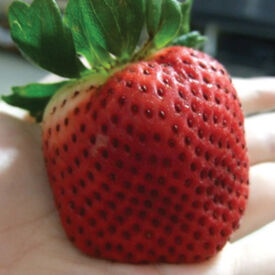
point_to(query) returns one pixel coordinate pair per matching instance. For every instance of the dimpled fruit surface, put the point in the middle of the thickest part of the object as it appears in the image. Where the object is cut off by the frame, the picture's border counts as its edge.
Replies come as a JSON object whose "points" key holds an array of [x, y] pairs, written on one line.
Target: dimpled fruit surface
{"points": [[152, 165]]}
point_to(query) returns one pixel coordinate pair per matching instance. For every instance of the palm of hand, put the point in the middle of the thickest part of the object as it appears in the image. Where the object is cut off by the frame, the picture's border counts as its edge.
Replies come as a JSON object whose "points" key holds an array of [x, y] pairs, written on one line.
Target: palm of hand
{"points": [[32, 239]]}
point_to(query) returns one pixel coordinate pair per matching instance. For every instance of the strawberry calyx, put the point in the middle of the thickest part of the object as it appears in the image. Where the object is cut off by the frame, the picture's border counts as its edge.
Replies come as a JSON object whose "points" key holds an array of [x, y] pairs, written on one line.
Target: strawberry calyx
{"points": [[91, 39]]}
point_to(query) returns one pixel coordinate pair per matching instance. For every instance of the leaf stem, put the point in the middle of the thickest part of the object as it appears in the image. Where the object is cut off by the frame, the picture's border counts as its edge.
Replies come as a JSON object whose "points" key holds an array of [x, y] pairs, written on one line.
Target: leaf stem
{"points": [[143, 51]]}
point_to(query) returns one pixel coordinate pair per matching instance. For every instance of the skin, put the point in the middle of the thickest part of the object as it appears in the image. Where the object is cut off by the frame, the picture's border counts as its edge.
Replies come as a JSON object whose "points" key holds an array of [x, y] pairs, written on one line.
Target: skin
{"points": [[33, 242]]}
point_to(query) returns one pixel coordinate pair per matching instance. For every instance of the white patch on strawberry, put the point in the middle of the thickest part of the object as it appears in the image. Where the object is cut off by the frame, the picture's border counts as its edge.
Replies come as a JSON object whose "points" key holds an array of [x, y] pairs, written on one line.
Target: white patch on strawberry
{"points": [[101, 141]]}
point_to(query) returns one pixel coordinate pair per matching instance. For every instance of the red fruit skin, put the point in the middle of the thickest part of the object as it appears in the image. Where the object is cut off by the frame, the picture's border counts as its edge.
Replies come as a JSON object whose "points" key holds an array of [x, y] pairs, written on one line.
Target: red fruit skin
{"points": [[152, 166]]}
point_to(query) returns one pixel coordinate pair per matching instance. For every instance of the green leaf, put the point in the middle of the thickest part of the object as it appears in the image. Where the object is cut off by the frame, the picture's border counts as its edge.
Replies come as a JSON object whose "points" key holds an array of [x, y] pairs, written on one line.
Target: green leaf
{"points": [[169, 23], [88, 38], [186, 7], [39, 32], [153, 16], [33, 97], [103, 26], [192, 40], [130, 17]]}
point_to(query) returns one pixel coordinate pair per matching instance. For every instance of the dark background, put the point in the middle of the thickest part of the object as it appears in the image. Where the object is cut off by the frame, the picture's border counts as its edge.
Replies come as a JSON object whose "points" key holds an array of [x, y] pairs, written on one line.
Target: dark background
{"points": [[241, 33]]}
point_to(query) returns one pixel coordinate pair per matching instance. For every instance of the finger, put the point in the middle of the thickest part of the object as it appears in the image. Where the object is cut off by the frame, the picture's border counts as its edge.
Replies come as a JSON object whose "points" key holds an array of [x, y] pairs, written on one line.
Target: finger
{"points": [[260, 136], [22, 173], [260, 208], [25, 197], [222, 263], [256, 94], [255, 254]]}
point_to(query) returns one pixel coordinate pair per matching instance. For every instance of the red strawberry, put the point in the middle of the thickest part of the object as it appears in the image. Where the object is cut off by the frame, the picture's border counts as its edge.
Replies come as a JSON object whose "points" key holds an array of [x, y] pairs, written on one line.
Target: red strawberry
{"points": [[151, 164]]}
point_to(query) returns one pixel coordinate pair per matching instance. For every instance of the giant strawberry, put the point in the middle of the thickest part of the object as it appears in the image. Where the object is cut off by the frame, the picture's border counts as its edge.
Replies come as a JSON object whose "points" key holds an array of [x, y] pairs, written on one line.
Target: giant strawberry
{"points": [[145, 149]]}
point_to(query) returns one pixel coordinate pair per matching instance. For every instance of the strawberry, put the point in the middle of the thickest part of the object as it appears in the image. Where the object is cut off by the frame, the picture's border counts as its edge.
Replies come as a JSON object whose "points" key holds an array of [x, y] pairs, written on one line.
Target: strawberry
{"points": [[146, 156]]}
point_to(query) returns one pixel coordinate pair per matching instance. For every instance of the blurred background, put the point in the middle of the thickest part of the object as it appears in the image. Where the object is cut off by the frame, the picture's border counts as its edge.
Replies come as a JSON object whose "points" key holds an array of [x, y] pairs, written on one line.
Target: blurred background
{"points": [[241, 34]]}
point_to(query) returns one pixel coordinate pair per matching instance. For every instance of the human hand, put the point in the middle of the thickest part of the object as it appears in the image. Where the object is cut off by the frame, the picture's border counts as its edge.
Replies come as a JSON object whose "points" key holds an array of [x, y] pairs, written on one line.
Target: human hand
{"points": [[32, 239]]}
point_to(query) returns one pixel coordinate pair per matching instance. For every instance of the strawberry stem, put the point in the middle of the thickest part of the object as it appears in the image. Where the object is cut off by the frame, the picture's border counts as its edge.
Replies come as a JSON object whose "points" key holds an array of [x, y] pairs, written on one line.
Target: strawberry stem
{"points": [[106, 33], [143, 51]]}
